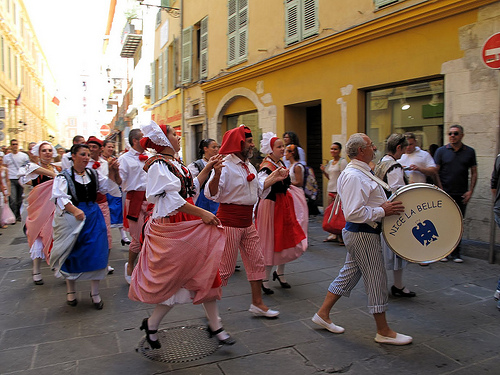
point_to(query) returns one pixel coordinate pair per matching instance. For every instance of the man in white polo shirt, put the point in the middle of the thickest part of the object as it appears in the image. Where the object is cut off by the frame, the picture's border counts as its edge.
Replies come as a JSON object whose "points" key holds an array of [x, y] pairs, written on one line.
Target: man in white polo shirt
{"points": [[417, 162], [14, 161]]}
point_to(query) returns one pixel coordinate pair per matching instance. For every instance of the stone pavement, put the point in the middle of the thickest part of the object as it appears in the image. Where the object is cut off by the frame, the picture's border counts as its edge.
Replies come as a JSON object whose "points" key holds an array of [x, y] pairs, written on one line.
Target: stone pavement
{"points": [[453, 320]]}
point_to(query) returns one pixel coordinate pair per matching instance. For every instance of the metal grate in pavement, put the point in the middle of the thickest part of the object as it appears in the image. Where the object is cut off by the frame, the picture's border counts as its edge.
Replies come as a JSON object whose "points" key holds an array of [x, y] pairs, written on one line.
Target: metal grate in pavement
{"points": [[180, 344]]}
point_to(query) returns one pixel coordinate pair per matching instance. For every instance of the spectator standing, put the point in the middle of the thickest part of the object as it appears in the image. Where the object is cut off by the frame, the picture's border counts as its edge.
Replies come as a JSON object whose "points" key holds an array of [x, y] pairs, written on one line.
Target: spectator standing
{"points": [[290, 138], [454, 161], [495, 190], [418, 163], [14, 161]]}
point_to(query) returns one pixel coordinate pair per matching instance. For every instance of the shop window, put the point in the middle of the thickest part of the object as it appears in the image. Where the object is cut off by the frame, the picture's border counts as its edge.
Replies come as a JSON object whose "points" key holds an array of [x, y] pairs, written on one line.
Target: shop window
{"points": [[416, 108], [250, 119]]}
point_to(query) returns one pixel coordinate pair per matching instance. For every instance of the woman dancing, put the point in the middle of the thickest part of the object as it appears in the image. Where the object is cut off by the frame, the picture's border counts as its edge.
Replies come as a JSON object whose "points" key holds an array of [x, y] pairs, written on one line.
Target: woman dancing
{"points": [[181, 254], [282, 215]]}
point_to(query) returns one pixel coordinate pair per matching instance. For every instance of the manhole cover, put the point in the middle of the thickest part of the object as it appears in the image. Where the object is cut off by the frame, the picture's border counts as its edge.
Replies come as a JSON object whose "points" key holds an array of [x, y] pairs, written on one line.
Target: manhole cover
{"points": [[180, 344], [19, 240]]}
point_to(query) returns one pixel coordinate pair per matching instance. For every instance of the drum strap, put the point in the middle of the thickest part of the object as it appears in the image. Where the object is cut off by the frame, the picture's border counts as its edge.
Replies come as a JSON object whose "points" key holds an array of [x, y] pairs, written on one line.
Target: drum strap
{"points": [[372, 176]]}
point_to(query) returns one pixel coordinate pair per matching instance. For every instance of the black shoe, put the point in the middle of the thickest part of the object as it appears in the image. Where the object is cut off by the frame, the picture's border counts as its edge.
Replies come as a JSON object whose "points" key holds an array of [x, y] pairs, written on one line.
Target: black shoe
{"points": [[227, 341], [283, 284], [144, 327], [401, 293], [37, 282], [72, 303], [98, 305], [127, 242], [267, 291]]}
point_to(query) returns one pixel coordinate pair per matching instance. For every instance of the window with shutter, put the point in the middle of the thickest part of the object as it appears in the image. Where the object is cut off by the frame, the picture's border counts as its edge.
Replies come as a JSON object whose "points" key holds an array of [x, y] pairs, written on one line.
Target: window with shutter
{"points": [[153, 82], [204, 48], [301, 20], [383, 3], [165, 72], [187, 53], [237, 31], [161, 92]]}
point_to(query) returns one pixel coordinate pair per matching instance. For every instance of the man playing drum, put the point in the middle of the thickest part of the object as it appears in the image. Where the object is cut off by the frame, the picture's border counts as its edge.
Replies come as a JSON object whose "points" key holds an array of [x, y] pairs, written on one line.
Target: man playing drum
{"points": [[365, 204]]}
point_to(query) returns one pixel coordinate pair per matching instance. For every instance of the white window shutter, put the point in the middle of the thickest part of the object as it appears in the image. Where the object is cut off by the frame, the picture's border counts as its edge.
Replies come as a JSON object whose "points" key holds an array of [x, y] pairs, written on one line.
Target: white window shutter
{"points": [[232, 18], [242, 30], [292, 21], [165, 71], [204, 48], [310, 18], [187, 53]]}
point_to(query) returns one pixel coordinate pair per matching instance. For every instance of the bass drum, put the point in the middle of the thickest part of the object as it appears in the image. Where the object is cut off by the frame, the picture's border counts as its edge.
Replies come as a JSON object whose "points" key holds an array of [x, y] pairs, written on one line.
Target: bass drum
{"points": [[430, 227]]}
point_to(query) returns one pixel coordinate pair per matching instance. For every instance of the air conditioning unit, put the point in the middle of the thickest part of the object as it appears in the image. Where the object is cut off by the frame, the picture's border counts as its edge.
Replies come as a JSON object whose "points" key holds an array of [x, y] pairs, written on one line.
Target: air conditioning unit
{"points": [[147, 91]]}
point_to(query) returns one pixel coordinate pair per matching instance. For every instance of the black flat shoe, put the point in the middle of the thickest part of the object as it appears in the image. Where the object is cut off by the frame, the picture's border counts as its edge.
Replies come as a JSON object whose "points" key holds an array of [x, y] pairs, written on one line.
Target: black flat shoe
{"points": [[127, 242], [72, 303], [144, 327], [401, 293], [267, 291], [98, 305], [37, 282], [227, 341], [283, 284]]}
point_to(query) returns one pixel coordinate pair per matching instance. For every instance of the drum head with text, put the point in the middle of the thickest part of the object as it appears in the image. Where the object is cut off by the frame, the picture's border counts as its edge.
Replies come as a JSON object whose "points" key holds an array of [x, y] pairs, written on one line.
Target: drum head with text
{"points": [[429, 228]]}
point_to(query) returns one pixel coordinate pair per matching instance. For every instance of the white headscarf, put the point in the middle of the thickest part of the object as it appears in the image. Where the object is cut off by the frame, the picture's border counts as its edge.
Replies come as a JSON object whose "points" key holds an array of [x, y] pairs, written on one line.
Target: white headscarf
{"points": [[155, 134], [265, 144], [36, 148]]}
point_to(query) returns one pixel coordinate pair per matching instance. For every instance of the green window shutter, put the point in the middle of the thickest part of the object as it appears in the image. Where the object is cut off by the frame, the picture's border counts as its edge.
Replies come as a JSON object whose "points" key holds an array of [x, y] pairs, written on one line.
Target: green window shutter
{"points": [[175, 59], [165, 71], [232, 34], [153, 83], [204, 48], [292, 21], [310, 24], [242, 30], [382, 3], [165, 3], [160, 76], [187, 52]]}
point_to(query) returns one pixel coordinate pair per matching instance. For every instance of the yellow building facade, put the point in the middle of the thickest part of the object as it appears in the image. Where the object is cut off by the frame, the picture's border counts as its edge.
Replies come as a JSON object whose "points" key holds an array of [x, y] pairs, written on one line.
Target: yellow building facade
{"points": [[326, 69], [24, 71]]}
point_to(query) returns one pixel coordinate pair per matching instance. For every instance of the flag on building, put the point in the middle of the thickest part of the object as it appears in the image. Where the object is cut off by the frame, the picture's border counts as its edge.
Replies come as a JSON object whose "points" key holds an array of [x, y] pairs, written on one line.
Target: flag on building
{"points": [[18, 99], [55, 100]]}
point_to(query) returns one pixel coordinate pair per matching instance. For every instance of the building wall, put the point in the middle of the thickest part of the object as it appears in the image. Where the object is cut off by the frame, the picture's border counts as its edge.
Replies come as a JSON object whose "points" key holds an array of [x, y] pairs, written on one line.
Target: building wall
{"points": [[337, 70]]}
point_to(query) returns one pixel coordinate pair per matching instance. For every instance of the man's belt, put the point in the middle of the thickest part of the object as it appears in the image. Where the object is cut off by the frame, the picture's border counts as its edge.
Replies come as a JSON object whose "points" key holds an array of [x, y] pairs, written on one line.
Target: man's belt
{"points": [[235, 215]]}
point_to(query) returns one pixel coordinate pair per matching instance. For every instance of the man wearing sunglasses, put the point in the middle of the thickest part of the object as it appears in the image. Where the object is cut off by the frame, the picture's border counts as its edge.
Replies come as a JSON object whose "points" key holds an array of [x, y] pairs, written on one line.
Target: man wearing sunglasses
{"points": [[453, 162]]}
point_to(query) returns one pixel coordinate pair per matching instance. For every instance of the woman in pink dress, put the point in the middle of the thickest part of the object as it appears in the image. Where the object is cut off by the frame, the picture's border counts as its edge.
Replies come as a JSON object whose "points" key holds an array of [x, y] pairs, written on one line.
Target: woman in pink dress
{"points": [[282, 215], [40, 208], [183, 244]]}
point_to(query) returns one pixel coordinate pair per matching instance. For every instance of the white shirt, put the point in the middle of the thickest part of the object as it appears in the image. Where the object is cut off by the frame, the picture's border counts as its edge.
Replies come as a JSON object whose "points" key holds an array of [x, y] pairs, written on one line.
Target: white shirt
{"points": [[66, 162], [234, 188], [195, 172], [132, 171], [361, 196], [60, 192], [395, 178], [333, 171], [421, 159], [163, 188], [14, 162], [27, 173], [292, 173]]}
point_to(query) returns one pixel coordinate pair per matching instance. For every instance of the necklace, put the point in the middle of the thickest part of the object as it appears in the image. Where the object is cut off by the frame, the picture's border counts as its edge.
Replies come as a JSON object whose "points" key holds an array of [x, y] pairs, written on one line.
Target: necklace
{"points": [[79, 173]]}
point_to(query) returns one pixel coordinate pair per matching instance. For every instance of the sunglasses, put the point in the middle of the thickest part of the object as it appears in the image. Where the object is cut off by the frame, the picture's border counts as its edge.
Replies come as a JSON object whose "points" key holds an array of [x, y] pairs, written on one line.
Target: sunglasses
{"points": [[454, 133], [14, 144]]}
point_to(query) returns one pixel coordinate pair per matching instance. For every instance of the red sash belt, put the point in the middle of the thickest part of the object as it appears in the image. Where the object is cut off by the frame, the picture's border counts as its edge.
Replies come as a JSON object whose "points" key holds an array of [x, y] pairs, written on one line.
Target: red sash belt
{"points": [[235, 215], [101, 198], [134, 208]]}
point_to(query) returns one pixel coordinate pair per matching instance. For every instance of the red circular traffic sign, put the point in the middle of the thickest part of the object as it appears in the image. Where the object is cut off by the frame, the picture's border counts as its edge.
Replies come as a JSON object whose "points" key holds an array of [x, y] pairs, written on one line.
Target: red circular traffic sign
{"points": [[491, 52], [105, 130]]}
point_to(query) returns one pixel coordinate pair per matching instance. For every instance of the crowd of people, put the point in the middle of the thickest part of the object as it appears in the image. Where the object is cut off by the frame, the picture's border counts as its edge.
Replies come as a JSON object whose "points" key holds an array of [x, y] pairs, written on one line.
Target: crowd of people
{"points": [[185, 225]]}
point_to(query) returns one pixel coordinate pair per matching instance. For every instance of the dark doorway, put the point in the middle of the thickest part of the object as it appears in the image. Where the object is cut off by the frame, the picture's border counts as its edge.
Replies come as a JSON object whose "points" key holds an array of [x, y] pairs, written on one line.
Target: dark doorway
{"points": [[314, 145]]}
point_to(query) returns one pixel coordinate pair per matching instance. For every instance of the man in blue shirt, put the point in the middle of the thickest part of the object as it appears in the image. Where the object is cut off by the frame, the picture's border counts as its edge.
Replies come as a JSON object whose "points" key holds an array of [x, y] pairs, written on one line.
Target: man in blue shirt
{"points": [[454, 161]]}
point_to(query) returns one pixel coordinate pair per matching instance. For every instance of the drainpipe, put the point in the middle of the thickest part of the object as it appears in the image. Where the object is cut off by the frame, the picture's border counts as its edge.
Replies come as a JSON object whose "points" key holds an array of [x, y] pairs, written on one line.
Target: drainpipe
{"points": [[183, 121]]}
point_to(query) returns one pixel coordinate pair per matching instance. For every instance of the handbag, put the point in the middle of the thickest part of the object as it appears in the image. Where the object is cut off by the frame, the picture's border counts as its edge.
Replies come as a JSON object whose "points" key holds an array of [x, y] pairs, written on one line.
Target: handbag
{"points": [[333, 218], [8, 216]]}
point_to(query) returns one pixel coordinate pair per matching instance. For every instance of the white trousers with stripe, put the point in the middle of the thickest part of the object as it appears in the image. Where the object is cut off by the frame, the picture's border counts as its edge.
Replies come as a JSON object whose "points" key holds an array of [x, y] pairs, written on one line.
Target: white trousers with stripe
{"points": [[364, 258]]}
